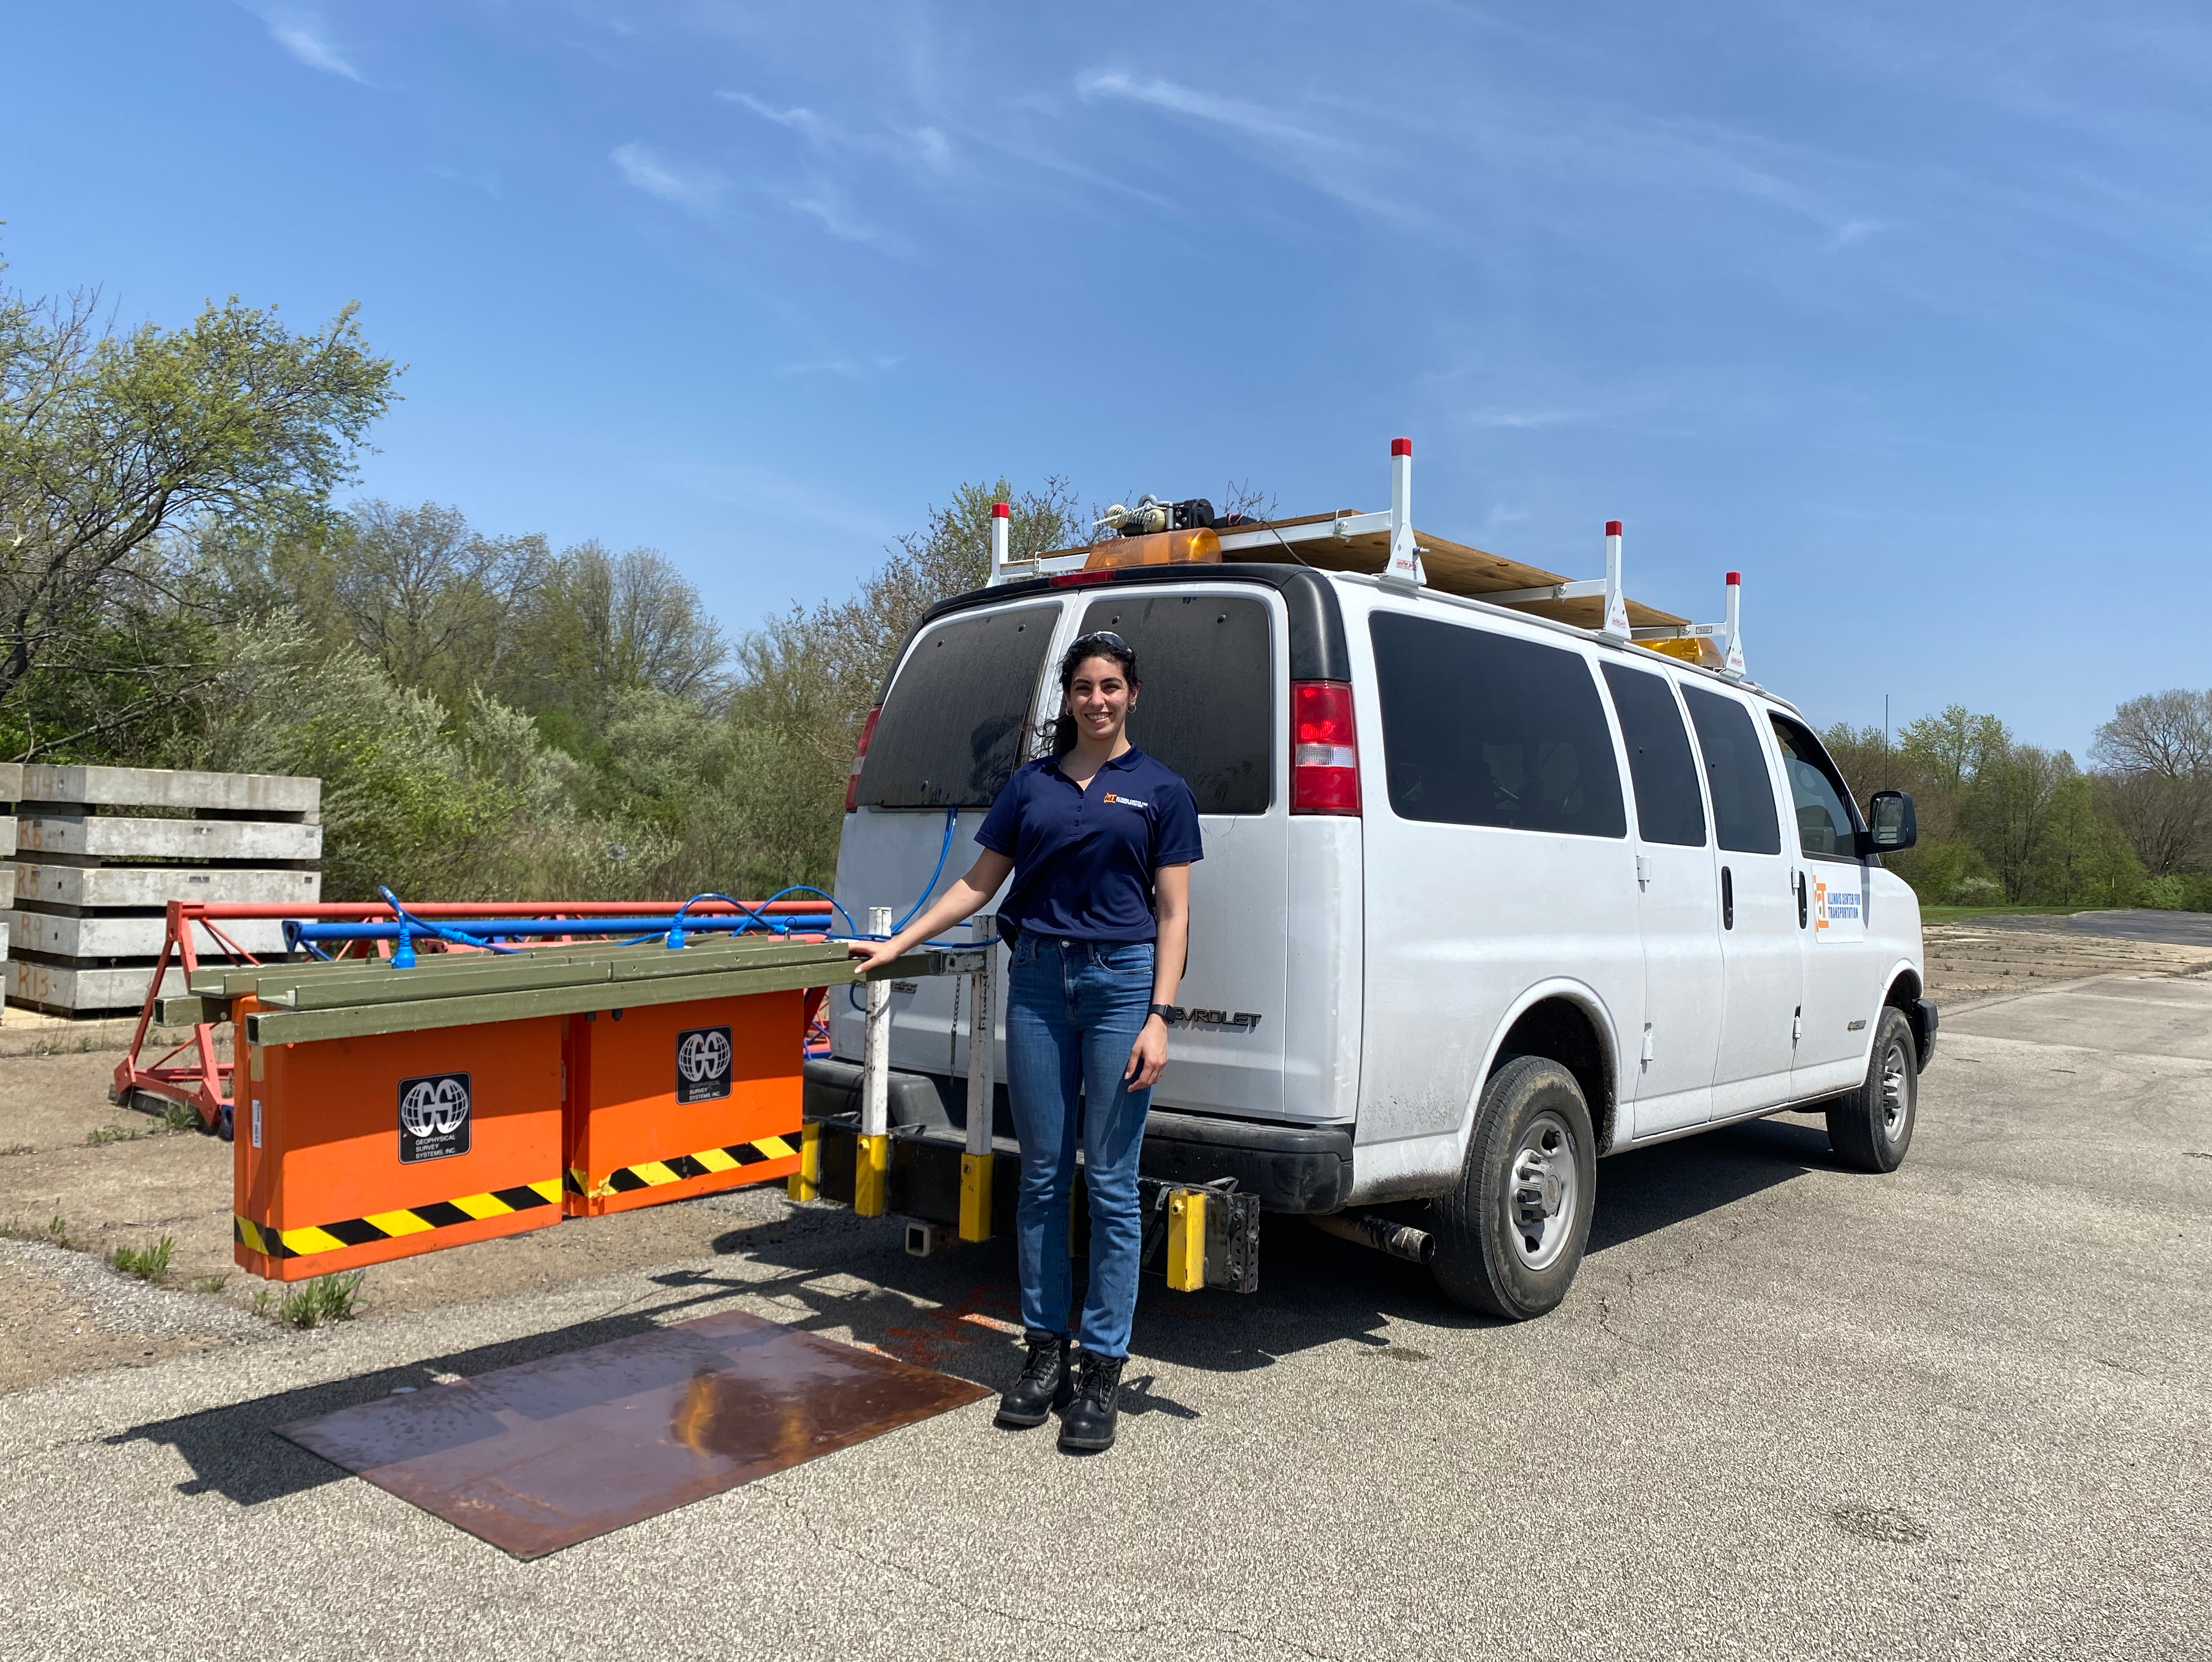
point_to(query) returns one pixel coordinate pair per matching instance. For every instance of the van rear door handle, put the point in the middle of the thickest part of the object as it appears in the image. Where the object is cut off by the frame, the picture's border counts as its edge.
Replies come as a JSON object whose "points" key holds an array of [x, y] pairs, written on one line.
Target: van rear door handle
{"points": [[1801, 900], [1728, 898]]}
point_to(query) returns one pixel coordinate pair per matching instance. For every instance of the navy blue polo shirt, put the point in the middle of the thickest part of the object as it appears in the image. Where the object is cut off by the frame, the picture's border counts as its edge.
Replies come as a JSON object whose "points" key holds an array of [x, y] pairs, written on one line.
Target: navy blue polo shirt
{"points": [[1084, 859]]}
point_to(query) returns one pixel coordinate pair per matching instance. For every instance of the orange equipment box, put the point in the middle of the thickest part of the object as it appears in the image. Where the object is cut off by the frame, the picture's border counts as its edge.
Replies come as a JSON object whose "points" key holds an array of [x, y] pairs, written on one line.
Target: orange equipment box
{"points": [[669, 1100], [354, 1151]]}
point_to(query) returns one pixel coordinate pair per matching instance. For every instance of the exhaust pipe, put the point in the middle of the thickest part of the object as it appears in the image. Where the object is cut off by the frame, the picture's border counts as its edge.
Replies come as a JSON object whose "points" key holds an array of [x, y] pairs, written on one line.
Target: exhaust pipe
{"points": [[1382, 1234]]}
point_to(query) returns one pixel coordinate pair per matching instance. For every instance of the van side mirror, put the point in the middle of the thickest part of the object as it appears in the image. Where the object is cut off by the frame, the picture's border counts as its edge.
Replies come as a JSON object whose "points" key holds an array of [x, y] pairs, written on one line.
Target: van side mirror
{"points": [[1892, 825]]}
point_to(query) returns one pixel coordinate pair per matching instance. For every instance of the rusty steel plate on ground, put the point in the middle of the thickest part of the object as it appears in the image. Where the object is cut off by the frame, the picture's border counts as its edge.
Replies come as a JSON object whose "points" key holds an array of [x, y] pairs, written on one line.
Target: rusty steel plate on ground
{"points": [[541, 1456]]}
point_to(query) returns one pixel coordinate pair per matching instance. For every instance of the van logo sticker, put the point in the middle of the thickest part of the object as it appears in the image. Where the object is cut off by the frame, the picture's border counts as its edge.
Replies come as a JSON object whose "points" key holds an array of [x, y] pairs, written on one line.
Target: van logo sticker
{"points": [[1833, 906], [1243, 1021], [433, 1117], [702, 1065]]}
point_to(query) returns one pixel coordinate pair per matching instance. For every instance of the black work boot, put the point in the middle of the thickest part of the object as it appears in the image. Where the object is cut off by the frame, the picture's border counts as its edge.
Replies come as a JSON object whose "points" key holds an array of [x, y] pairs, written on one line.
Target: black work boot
{"points": [[1088, 1425], [1043, 1386]]}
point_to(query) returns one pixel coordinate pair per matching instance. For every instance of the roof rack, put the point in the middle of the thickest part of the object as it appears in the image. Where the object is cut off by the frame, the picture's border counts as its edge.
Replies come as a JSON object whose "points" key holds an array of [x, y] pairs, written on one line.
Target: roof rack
{"points": [[1386, 544]]}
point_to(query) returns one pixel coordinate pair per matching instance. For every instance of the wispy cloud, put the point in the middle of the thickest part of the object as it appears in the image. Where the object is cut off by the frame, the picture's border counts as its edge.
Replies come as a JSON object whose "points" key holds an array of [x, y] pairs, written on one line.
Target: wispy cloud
{"points": [[1521, 418], [484, 179], [1331, 162], [1232, 112], [696, 189], [306, 37], [925, 148], [852, 369], [825, 204]]}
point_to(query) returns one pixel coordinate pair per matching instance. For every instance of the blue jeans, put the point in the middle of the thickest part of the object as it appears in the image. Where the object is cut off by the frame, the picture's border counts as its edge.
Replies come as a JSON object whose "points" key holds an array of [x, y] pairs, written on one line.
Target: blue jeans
{"points": [[1073, 1008]]}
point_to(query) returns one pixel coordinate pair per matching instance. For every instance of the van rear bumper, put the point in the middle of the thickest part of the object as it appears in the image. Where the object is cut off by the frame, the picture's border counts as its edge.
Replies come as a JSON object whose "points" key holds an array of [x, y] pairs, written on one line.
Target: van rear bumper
{"points": [[1293, 1168]]}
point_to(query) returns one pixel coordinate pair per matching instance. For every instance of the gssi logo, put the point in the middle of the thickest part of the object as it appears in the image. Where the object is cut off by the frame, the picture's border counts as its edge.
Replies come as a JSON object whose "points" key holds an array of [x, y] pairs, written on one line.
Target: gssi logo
{"points": [[702, 1064], [433, 1117]]}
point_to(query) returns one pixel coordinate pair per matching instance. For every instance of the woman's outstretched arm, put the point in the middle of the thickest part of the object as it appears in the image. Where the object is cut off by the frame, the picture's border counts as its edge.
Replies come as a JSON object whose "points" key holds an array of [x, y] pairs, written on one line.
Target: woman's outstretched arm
{"points": [[963, 900]]}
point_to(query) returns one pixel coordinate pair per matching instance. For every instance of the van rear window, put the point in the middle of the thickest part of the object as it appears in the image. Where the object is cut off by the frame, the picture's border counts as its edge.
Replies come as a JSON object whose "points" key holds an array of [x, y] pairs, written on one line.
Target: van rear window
{"points": [[953, 726], [1483, 728], [1206, 705]]}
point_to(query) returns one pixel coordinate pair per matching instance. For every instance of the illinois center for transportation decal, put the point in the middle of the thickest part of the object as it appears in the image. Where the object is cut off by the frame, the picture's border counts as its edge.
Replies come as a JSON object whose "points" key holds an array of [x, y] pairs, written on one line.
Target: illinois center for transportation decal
{"points": [[1838, 913], [702, 1064], [433, 1117]]}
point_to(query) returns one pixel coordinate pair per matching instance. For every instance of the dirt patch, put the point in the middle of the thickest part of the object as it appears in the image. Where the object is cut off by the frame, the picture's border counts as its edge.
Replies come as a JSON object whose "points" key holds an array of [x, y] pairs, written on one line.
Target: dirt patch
{"points": [[1973, 960], [63, 1313]]}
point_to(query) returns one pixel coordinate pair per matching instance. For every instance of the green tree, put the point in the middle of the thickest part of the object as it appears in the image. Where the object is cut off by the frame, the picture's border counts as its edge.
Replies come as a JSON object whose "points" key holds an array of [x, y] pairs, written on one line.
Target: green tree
{"points": [[2156, 753], [109, 440], [603, 625], [1944, 754], [2010, 811]]}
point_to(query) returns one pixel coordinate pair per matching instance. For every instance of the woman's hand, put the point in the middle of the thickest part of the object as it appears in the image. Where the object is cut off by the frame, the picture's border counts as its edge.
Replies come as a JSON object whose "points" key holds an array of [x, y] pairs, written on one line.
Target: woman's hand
{"points": [[873, 954], [1148, 1057]]}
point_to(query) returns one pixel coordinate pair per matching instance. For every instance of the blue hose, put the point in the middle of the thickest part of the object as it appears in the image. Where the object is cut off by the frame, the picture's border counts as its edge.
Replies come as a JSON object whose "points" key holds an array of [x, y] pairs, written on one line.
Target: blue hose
{"points": [[403, 956], [951, 818]]}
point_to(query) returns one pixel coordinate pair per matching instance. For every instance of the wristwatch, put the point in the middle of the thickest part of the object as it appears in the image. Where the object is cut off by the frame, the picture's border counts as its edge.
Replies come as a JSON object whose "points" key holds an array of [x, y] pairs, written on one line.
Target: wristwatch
{"points": [[1167, 1013]]}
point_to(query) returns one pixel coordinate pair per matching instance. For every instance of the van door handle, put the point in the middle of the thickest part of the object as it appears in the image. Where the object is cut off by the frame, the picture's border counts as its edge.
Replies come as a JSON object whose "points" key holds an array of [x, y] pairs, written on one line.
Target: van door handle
{"points": [[1728, 898], [1801, 900]]}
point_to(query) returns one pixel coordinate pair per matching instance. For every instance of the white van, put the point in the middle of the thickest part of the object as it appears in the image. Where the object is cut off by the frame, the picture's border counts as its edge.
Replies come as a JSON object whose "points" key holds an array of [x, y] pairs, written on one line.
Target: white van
{"points": [[1485, 897]]}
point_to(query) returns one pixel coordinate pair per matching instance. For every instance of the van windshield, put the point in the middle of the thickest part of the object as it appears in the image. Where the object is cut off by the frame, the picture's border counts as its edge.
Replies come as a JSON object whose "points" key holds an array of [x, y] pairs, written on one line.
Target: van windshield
{"points": [[952, 727], [1206, 704]]}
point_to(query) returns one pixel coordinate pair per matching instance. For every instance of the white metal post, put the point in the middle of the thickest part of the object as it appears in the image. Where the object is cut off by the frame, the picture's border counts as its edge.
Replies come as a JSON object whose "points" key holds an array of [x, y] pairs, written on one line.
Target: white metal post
{"points": [[999, 514], [876, 1048], [872, 1148], [1405, 565], [982, 1069], [1732, 641], [982, 1038], [1616, 599]]}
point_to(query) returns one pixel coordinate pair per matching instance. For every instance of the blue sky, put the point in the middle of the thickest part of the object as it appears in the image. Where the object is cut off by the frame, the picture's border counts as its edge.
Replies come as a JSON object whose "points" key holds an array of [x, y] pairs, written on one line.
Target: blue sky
{"points": [[1899, 309]]}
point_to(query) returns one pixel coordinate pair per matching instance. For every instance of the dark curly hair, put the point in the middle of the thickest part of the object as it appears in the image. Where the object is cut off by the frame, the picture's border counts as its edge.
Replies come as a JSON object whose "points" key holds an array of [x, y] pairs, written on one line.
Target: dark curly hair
{"points": [[1060, 733]]}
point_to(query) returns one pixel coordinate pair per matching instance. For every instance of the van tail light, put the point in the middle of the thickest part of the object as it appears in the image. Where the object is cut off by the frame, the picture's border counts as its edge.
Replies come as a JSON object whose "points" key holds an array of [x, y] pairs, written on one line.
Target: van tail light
{"points": [[860, 756], [1324, 748]]}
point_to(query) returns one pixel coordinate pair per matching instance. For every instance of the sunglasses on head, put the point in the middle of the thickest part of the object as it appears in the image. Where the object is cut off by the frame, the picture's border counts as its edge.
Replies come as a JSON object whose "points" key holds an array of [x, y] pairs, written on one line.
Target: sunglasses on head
{"points": [[1103, 638]]}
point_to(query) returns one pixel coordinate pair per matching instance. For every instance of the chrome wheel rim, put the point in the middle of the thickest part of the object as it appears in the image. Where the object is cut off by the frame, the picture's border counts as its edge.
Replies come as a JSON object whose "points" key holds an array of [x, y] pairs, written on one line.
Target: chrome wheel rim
{"points": [[1541, 1192], [1896, 1093]]}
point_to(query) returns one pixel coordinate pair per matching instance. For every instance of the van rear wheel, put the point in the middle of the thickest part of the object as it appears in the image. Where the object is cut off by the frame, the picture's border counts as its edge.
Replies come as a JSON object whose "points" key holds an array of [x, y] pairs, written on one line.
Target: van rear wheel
{"points": [[1511, 1235]]}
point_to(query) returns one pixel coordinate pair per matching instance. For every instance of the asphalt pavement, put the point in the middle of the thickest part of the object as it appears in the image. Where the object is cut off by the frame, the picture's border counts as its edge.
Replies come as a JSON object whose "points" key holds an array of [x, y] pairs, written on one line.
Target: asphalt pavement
{"points": [[2134, 924], [1788, 1411]]}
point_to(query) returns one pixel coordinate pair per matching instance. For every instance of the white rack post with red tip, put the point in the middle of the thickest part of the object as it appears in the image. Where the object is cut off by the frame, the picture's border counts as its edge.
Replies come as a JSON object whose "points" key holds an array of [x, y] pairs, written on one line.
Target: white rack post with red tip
{"points": [[1386, 545]]}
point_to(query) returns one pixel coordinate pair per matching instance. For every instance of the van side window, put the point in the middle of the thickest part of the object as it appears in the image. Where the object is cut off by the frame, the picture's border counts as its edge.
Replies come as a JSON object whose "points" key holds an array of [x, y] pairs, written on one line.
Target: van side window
{"points": [[953, 723], [1735, 768], [1482, 728], [1825, 824], [1206, 705], [1660, 764]]}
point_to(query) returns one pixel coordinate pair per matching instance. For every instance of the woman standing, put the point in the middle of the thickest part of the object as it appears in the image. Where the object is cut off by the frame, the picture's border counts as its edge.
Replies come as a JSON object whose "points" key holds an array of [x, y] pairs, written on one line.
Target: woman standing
{"points": [[1099, 839]]}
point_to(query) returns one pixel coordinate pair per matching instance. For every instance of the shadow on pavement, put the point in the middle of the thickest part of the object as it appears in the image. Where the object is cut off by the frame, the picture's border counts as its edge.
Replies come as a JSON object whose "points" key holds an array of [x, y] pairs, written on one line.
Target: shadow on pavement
{"points": [[1647, 1190], [957, 1311]]}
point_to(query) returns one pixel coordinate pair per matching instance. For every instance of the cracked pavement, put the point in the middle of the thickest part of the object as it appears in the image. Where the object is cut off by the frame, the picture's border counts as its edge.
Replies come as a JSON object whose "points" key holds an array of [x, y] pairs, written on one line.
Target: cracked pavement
{"points": [[1788, 1411]]}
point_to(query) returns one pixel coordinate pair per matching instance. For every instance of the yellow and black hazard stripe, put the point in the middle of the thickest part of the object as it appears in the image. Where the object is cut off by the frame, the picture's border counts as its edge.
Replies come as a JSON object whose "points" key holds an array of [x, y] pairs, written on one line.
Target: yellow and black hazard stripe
{"points": [[391, 1226], [651, 1174]]}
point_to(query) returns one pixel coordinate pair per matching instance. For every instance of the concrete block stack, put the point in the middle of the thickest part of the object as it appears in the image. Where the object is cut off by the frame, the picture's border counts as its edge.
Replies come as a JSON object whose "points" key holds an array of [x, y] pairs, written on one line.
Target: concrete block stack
{"points": [[11, 786], [99, 853]]}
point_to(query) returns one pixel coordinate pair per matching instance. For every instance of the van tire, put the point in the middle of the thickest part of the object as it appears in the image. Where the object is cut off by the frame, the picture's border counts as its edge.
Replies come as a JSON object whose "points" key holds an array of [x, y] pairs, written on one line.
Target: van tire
{"points": [[1499, 1250], [1871, 1128]]}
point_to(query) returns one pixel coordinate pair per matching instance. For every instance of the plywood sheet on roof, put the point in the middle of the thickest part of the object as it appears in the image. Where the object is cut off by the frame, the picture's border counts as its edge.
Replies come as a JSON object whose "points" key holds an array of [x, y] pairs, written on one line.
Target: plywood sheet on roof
{"points": [[1452, 567]]}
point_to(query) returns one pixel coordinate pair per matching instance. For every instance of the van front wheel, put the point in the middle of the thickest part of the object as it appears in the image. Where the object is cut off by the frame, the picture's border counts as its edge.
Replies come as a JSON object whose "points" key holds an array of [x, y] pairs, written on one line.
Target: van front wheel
{"points": [[1872, 1127], [1511, 1235]]}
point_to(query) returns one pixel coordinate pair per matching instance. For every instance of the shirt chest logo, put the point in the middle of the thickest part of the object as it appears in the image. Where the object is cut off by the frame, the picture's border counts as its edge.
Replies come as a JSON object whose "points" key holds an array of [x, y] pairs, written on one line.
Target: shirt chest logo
{"points": [[1126, 801]]}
